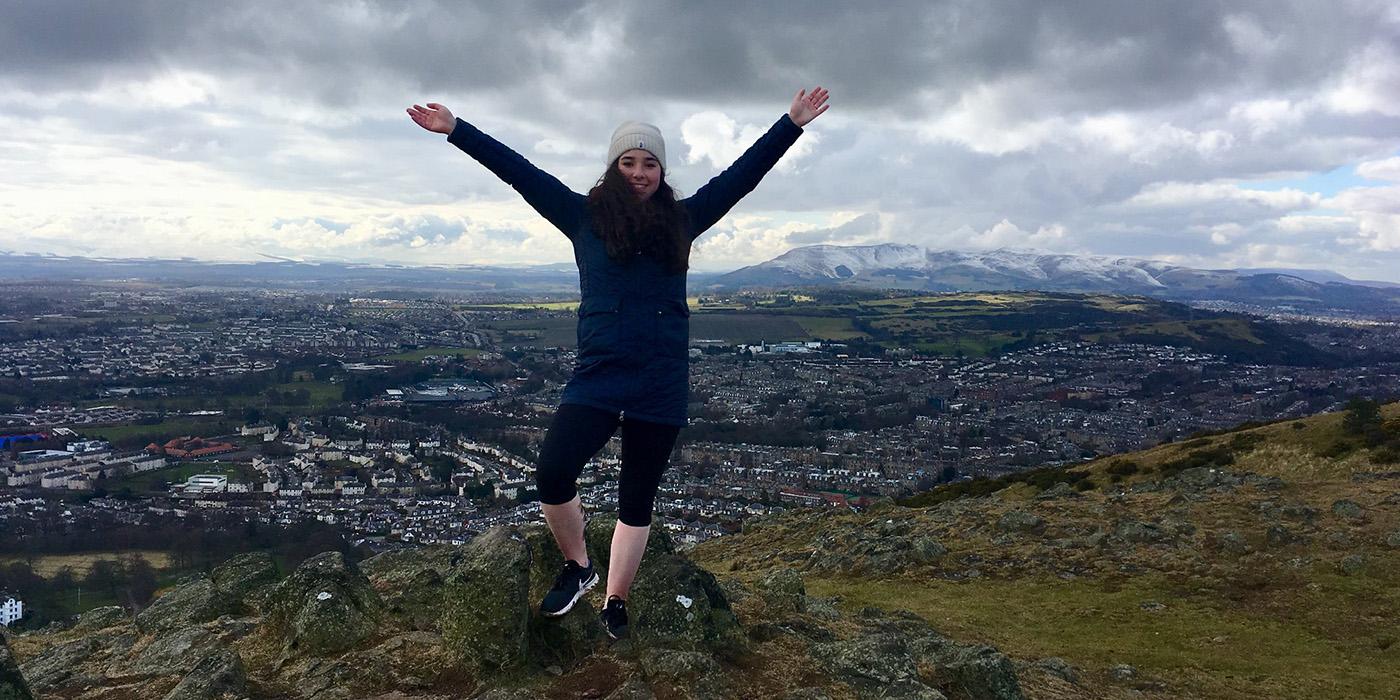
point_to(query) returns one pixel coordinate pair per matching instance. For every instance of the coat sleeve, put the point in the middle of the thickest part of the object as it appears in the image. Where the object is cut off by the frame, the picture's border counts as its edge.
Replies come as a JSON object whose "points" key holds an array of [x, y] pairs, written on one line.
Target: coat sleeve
{"points": [[542, 191], [721, 193]]}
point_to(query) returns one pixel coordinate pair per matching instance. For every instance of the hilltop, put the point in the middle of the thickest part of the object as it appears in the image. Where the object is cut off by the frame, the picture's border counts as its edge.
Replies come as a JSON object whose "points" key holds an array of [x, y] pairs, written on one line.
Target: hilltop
{"points": [[1257, 563]]}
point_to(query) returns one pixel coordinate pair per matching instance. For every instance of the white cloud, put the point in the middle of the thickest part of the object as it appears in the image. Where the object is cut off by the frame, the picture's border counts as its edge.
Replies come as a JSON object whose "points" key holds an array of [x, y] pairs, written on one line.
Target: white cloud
{"points": [[1191, 194], [715, 137], [1387, 169]]}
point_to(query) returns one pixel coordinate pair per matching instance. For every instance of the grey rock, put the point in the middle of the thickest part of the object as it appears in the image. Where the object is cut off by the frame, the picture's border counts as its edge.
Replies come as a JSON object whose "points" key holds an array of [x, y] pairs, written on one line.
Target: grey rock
{"points": [[678, 666], [508, 694], [410, 582], [214, 677], [1264, 483], [1059, 490], [1348, 509], [228, 590], [1300, 511], [822, 608], [1021, 521], [1139, 532], [174, 652], [12, 684], [101, 618], [805, 694], [675, 603], [1059, 668], [1339, 540], [566, 640], [1202, 478], [1233, 542], [782, 590], [1123, 673], [909, 689], [325, 606], [486, 612], [57, 665], [246, 577], [1279, 536], [1352, 564], [869, 661], [1393, 540], [926, 550], [190, 603], [968, 670], [633, 688]]}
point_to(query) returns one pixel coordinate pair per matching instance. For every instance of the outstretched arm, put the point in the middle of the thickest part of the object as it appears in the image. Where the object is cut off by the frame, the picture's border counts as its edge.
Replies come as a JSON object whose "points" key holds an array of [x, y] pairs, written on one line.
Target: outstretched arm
{"points": [[721, 193], [542, 191]]}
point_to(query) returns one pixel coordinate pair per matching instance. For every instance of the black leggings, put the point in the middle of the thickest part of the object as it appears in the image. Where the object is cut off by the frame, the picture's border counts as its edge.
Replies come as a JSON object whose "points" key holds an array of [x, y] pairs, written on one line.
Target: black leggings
{"points": [[578, 432]]}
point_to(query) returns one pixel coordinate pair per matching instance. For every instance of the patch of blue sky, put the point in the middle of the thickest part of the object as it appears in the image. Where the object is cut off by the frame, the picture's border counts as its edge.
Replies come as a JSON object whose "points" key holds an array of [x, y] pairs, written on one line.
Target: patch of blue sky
{"points": [[1326, 184]]}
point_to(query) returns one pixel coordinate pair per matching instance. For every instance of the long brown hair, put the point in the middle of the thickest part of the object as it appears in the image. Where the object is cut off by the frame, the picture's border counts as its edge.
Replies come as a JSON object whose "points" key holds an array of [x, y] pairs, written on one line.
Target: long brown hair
{"points": [[656, 227]]}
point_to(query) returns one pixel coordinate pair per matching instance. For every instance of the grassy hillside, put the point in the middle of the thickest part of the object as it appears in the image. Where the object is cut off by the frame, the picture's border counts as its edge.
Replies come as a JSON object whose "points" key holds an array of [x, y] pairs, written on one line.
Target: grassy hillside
{"points": [[1259, 563]]}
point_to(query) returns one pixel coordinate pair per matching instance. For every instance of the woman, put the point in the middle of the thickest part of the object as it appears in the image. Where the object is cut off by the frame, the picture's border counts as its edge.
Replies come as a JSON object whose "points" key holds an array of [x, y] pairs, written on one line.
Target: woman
{"points": [[631, 239]]}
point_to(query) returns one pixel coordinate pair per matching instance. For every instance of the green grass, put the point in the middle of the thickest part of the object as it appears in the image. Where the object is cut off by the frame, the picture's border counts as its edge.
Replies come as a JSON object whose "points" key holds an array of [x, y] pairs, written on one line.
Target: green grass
{"points": [[1098, 624], [833, 327], [322, 393], [179, 473], [203, 427]]}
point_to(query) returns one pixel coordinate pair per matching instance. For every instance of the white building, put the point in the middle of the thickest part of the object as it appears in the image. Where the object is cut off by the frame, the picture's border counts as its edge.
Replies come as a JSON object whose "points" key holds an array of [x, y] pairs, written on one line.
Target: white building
{"points": [[11, 609], [206, 483]]}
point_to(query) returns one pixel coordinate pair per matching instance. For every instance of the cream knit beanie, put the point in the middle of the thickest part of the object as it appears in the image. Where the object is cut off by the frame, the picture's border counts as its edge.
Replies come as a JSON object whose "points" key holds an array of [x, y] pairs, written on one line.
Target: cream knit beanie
{"points": [[637, 135]]}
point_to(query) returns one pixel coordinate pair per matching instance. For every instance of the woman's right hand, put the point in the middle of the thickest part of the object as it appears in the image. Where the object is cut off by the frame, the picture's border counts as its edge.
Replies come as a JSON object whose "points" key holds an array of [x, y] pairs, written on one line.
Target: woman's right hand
{"points": [[434, 117]]}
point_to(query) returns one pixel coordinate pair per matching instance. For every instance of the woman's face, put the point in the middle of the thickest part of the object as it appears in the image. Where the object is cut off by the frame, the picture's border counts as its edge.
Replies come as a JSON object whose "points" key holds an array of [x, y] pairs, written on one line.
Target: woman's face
{"points": [[642, 171]]}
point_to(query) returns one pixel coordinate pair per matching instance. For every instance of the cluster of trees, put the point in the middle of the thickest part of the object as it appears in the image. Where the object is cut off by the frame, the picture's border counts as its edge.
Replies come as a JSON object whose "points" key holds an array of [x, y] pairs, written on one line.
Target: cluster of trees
{"points": [[129, 581], [192, 545]]}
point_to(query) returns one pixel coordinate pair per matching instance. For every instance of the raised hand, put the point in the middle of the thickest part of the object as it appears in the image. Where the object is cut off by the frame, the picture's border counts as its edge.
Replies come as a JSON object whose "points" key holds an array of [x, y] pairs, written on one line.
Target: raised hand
{"points": [[434, 117], [807, 106]]}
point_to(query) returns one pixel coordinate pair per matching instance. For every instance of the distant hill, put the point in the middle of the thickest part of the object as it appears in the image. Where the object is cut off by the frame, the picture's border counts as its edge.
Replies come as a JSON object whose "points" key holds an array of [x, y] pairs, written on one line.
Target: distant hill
{"points": [[900, 266]]}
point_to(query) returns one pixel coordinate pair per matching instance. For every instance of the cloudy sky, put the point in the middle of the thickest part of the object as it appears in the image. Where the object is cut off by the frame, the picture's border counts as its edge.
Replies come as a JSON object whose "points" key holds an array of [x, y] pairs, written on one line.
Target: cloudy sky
{"points": [[1212, 134]]}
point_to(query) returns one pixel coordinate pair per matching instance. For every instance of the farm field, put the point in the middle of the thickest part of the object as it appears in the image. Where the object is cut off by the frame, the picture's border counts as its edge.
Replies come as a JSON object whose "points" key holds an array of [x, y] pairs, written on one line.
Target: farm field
{"points": [[47, 565]]}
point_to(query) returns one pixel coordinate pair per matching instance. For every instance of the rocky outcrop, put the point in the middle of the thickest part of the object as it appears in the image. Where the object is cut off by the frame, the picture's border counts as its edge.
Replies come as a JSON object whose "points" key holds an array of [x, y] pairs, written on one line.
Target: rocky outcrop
{"points": [[486, 607], [447, 622], [230, 589], [326, 605], [12, 685]]}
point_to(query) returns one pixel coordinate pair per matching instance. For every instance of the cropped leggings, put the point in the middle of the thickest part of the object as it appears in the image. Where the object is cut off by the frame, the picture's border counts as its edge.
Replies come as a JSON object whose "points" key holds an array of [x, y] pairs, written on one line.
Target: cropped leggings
{"points": [[578, 432]]}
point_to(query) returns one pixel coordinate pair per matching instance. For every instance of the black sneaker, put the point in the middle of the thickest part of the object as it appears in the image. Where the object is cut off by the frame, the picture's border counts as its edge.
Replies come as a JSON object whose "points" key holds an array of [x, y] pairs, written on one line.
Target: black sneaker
{"points": [[571, 584], [615, 617]]}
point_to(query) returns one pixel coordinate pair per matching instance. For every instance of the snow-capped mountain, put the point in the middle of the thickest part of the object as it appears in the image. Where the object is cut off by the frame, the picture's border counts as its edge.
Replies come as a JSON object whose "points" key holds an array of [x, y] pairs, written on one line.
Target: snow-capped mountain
{"points": [[900, 266]]}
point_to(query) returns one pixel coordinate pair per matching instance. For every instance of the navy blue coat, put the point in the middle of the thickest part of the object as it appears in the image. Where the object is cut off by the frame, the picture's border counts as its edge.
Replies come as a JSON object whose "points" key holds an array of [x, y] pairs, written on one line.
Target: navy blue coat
{"points": [[633, 323]]}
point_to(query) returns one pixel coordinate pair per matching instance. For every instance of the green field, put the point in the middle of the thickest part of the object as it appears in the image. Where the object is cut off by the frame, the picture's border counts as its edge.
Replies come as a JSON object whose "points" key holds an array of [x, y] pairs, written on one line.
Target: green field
{"points": [[160, 432], [963, 324], [47, 565], [322, 394], [180, 472]]}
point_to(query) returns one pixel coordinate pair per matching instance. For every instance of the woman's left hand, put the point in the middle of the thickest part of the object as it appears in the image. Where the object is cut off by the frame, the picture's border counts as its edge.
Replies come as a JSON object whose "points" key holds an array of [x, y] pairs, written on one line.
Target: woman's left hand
{"points": [[807, 106]]}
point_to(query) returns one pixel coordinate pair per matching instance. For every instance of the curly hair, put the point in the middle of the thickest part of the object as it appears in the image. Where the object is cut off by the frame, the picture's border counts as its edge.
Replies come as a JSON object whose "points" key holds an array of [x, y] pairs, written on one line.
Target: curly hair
{"points": [[656, 227]]}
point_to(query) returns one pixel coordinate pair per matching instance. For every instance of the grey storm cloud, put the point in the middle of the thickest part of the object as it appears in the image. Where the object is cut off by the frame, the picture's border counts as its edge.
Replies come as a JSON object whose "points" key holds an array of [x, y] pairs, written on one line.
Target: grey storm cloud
{"points": [[306, 99], [1082, 55]]}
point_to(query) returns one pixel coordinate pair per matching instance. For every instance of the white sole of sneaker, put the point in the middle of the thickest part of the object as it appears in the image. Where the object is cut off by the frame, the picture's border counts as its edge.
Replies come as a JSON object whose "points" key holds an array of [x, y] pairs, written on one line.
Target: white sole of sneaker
{"points": [[587, 586]]}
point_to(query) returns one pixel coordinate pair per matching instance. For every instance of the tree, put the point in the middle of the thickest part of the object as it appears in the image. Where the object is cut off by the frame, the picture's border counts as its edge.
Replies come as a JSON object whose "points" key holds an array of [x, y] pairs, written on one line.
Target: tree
{"points": [[1362, 417]]}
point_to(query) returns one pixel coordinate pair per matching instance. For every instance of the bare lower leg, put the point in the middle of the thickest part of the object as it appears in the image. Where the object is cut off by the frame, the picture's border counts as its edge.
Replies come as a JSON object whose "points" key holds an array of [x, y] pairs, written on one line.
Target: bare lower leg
{"points": [[628, 544], [566, 522]]}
